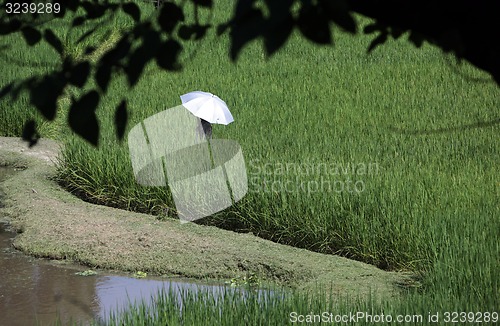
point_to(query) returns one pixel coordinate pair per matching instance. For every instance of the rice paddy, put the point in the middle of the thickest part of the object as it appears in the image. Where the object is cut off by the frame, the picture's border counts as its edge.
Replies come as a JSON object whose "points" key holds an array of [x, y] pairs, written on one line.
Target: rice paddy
{"points": [[386, 158]]}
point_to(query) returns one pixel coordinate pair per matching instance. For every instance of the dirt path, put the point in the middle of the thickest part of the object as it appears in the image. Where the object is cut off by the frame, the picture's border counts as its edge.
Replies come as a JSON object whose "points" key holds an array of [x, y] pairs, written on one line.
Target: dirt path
{"points": [[53, 223]]}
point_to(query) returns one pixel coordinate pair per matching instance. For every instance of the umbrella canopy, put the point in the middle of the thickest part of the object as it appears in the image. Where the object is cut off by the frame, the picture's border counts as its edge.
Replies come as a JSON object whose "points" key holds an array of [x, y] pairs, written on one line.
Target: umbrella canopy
{"points": [[208, 107]]}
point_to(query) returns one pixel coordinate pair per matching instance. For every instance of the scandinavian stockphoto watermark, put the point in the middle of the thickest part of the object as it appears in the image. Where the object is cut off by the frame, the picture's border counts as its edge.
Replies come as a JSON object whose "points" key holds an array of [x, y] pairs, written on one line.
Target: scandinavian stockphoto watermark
{"points": [[310, 177], [204, 176]]}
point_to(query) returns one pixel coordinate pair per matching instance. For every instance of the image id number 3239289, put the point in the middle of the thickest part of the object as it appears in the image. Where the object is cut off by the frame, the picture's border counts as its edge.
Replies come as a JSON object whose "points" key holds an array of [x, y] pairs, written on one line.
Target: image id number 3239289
{"points": [[26, 7]]}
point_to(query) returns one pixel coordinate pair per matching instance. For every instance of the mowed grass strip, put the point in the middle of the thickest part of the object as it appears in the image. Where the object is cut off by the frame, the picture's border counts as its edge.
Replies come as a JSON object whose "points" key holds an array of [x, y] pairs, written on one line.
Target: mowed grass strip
{"points": [[303, 117]]}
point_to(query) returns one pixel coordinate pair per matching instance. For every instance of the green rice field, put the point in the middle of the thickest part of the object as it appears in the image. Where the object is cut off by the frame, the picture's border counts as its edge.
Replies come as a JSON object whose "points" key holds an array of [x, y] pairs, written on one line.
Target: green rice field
{"points": [[384, 158]]}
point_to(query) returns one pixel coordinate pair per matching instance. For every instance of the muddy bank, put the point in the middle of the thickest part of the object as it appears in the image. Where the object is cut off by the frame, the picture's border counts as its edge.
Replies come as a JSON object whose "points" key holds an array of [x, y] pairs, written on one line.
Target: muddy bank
{"points": [[54, 224]]}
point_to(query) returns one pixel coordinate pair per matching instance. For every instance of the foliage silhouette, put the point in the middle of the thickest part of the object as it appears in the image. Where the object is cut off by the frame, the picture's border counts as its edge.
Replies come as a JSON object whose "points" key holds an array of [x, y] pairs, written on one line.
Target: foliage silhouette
{"points": [[468, 31]]}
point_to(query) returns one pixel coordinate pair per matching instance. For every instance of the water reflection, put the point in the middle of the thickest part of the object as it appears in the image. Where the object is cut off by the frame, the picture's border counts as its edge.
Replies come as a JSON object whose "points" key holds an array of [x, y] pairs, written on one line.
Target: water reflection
{"points": [[37, 291], [34, 291], [115, 293]]}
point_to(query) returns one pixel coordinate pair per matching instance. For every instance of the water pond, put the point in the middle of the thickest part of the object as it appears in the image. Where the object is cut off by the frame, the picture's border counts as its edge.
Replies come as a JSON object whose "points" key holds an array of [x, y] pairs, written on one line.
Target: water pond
{"points": [[38, 291]]}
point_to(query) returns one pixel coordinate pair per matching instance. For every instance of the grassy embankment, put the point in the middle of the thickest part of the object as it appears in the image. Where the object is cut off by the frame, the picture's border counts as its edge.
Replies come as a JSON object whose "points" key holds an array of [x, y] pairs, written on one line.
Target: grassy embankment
{"points": [[428, 202]]}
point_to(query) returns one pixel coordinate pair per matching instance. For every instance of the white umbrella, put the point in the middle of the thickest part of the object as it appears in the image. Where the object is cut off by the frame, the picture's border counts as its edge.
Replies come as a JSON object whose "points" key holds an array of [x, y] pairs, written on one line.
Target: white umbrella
{"points": [[208, 107]]}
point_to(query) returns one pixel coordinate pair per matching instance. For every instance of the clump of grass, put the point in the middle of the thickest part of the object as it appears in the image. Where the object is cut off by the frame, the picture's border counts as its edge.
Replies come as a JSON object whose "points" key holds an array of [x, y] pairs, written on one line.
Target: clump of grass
{"points": [[266, 307], [108, 190], [228, 307]]}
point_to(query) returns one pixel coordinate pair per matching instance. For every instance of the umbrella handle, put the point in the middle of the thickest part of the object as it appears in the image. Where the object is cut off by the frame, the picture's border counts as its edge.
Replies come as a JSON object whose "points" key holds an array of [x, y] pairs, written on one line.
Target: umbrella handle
{"points": [[204, 129]]}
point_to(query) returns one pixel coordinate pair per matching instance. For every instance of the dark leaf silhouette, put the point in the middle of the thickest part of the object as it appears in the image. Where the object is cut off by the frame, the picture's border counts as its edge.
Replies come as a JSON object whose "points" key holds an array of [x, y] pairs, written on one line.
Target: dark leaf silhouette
{"points": [[186, 32], [314, 25], [79, 74], [279, 25], [151, 43], [30, 134], [170, 16], [71, 4], [132, 10], [277, 7], [396, 32], [245, 26], [451, 41], [44, 94], [372, 28], [416, 39], [338, 11], [250, 25], [31, 35], [94, 10], [119, 52], [203, 3], [141, 56], [7, 89], [135, 67], [82, 118], [121, 117], [78, 21], [279, 33], [12, 26], [103, 76], [196, 32], [380, 39], [89, 50], [346, 21], [53, 40], [168, 54], [243, 7], [222, 28]]}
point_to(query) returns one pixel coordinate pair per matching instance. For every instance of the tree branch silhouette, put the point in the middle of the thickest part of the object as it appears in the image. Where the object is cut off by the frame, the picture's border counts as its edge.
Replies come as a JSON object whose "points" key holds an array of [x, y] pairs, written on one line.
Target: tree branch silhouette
{"points": [[468, 31]]}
